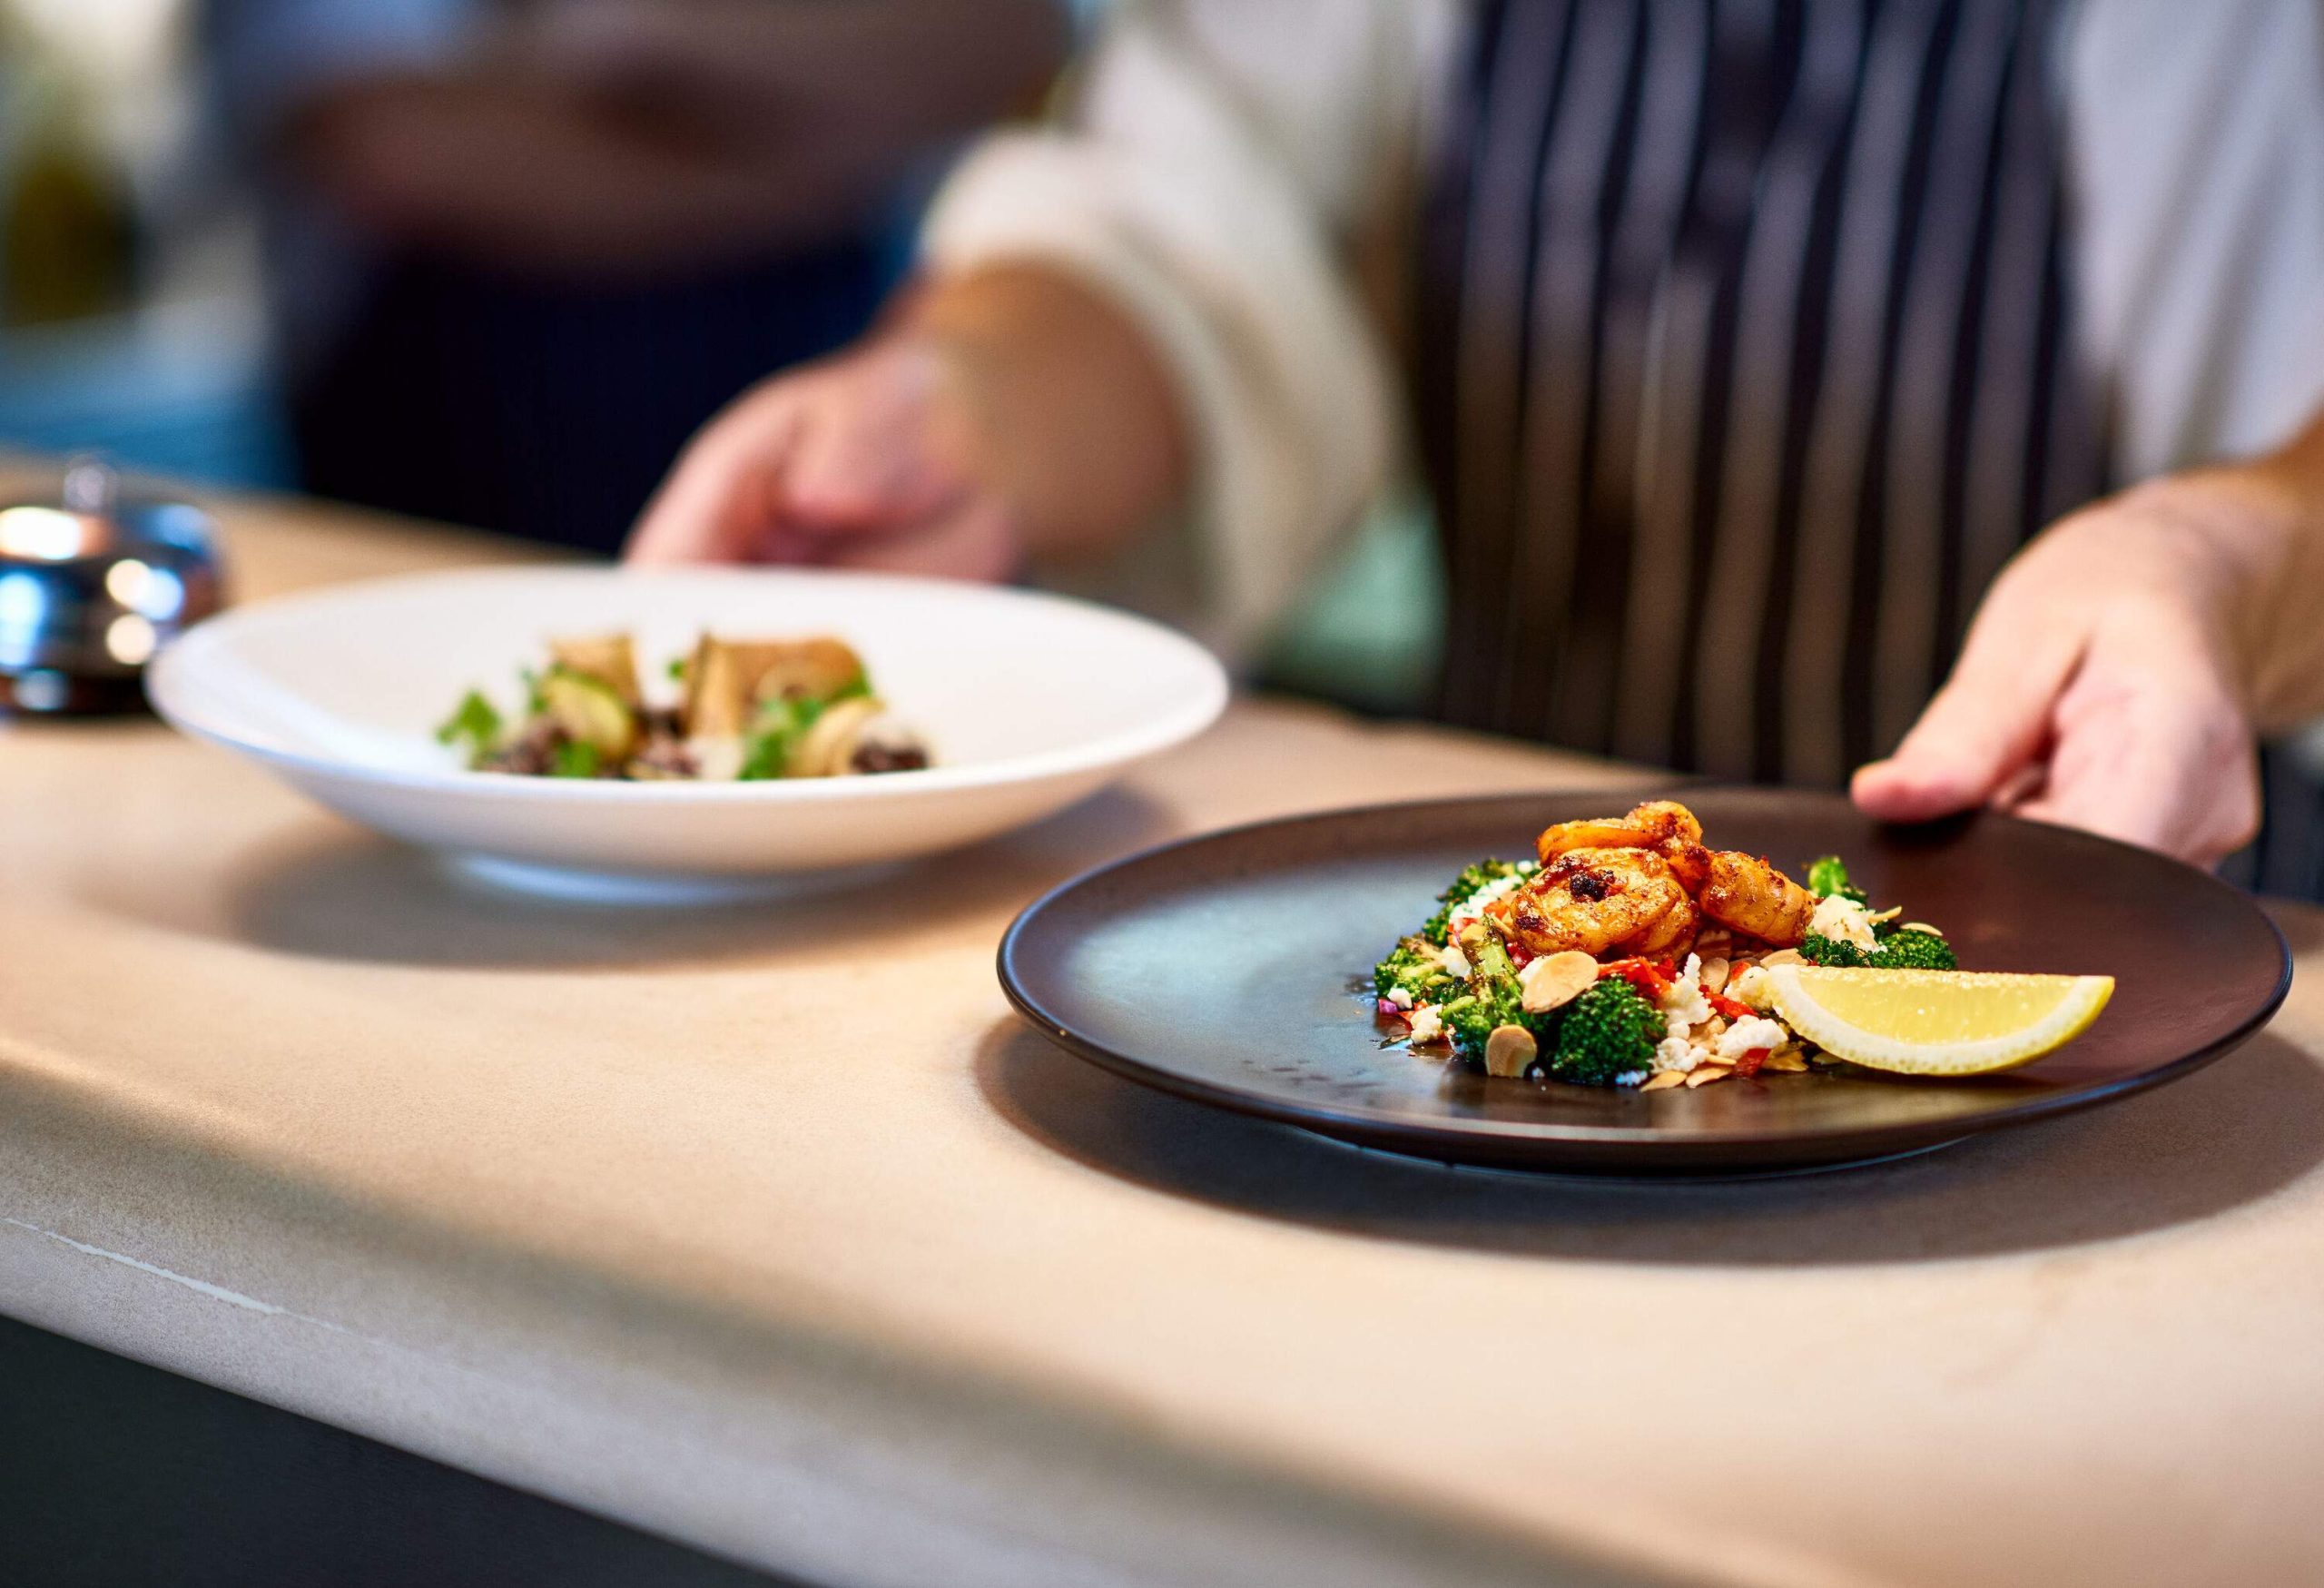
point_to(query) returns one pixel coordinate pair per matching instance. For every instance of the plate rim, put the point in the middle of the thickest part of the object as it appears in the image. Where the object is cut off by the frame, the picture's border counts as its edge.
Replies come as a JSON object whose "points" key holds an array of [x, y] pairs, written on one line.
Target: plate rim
{"points": [[1207, 703], [1373, 1123]]}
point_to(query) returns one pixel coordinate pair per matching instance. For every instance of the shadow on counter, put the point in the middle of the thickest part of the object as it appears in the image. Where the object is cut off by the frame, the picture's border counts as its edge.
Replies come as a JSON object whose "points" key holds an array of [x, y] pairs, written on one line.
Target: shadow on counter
{"points": [[328, 893], [2228, 1135]]}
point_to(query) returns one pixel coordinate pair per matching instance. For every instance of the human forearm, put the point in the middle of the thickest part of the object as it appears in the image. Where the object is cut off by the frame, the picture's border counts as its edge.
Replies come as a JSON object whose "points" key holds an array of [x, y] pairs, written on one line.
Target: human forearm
{"points": [[1076, 422], [2271, 513], [522, 174], [611, 135]]}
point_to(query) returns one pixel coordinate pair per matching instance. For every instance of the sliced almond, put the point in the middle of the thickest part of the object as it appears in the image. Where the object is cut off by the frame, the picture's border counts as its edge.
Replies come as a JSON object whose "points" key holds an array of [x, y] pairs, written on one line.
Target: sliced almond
{"points": [[828, 746], [1786, 1060], [1784, 957], [816, 667], [1554, 981], [727, 679], [1704, 1074], [1714, 973], [1665, 1081], [606, 657], [1509, 1050]]}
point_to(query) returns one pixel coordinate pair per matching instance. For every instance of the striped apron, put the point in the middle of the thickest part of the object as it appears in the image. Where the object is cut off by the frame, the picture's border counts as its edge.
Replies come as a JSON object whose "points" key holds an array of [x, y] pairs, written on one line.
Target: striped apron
{"points": [[1746, 359]]}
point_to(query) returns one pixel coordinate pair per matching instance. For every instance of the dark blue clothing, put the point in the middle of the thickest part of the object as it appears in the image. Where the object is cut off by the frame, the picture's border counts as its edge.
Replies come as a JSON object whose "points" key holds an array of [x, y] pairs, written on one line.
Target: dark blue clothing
{"points": [[551, 412]]}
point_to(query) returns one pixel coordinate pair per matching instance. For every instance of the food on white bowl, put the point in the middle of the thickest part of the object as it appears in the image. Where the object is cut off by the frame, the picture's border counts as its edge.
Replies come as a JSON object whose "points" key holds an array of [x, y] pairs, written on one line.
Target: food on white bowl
{"points": [[1036, 701], [748, 711]]}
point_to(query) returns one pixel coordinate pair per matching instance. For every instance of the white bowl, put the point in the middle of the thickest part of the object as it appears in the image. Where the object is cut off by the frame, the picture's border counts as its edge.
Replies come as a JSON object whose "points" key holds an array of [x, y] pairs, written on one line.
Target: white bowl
{"points": [[1029, 702]]}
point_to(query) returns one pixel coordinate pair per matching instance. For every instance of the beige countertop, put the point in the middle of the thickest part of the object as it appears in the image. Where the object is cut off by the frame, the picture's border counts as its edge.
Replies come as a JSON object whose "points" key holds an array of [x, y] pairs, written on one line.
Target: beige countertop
{"points": [[771, 1228]]}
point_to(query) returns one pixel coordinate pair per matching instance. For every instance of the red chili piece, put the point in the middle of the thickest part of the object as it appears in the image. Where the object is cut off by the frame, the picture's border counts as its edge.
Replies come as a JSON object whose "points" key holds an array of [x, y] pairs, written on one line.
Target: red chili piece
{"points": [[1753, 1058], [1648, 979]]}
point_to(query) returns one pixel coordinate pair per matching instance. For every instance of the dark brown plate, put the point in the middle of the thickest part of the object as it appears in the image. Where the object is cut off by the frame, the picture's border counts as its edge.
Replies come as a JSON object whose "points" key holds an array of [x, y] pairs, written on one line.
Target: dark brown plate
{"points": [[1223, 969]]}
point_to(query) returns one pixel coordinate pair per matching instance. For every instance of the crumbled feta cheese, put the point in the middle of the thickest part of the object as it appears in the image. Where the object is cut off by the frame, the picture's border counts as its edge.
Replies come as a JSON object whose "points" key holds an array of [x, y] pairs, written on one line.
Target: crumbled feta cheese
{"points": [[1498, 888], [719, 759], [1683, 999], [1450, 957], [1844, 920], [1676, 1053], [1753, 987], [1428, 1026], [1401, 997], [1753, 1031], [1473, 908]]}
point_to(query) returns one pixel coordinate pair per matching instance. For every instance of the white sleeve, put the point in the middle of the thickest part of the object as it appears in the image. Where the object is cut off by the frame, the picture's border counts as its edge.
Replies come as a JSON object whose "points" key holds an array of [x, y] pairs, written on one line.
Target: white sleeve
{"points": [[1222, 150], [2197, 134]]}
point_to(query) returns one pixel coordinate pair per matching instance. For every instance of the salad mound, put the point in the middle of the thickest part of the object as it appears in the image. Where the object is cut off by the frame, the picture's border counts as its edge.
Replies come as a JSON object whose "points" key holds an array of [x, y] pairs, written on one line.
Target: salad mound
{"points": [[1628, 953], [749, 710]]}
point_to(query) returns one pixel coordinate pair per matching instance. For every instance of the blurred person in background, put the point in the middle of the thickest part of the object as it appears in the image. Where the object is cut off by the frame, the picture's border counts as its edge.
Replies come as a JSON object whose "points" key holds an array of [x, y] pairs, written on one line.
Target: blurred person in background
{"points": [[1746, 342], [518, 251]]}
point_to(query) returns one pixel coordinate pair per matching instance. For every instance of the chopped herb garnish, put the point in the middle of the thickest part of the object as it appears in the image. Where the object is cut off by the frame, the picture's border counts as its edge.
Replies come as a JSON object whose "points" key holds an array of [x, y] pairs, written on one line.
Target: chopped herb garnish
{"points": [[474, 721], [574, 758], [1827, 877], [782, 724]]}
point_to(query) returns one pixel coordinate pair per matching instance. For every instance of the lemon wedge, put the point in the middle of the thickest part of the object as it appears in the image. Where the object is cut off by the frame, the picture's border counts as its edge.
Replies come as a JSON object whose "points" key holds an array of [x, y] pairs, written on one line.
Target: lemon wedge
{"points": [[1935, 1022]]}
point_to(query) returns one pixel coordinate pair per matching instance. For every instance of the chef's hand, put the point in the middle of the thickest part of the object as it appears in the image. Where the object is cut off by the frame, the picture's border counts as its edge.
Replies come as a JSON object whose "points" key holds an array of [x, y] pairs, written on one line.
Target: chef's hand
{"points": [[2114, 672], [869, 461], [1003, 415]]}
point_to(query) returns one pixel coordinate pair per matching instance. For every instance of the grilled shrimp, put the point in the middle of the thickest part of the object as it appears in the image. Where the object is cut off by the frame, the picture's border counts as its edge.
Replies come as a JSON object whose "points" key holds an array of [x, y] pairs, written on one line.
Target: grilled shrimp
{"points": [[1665, 823], [1670, 937], [1599, 833], [1596, 899], [1664, 826], [1744, 892]]}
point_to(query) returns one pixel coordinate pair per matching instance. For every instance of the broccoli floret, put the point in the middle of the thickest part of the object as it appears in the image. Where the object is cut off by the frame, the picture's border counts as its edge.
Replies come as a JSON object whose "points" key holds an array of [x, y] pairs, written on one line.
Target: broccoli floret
{"points": [[1471, 879], [1608, 1031], [1413, 965], [1912, 950], [1899, 951], [1491, 997], [1472, 1018], [1830, 951], [1828, 875]]}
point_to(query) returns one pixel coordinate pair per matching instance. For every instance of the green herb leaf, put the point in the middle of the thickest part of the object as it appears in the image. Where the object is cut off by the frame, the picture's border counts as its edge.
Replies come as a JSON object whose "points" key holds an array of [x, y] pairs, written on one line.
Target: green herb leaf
{"points": [[475, 722], [574, 758], [1827, 877], [781, 725]]}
